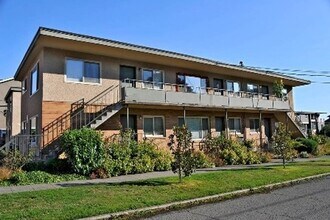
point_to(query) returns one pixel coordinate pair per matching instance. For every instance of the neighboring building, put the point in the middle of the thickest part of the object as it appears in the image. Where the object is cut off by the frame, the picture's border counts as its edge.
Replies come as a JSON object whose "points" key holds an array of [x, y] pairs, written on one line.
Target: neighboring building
{"points": [[13, 112], [5, 85], [327, 121], [309, 122], [71, 80]]}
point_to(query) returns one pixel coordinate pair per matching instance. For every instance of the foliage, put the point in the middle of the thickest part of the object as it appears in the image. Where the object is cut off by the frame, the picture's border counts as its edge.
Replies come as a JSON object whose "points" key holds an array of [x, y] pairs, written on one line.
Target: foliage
{"points": [[181, 147], [14, 160], [54, 165], [248, 143], [283, 142], [5, 173], [303, 154], [308, 145], [225, 151], [36, 177], [278, 87], [265, 157], [85, 150], [126, 156], [325, 130], [320, 139], [201, 160], [163, 160]]}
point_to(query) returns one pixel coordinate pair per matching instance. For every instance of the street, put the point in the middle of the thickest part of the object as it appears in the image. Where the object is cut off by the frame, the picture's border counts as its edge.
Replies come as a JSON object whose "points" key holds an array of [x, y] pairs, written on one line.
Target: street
{"points": [[309, 200]]}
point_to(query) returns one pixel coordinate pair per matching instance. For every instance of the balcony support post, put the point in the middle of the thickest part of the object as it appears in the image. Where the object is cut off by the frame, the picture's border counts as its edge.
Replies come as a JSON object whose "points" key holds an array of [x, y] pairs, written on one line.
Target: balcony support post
{"points": [[127, 117], [260, 129], [184, 115], [226, 124]]}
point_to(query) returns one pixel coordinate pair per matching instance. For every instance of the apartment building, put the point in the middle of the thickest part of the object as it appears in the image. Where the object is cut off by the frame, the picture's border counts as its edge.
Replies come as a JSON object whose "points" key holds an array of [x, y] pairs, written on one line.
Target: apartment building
{"points": [[5, 85], [71, 80]]}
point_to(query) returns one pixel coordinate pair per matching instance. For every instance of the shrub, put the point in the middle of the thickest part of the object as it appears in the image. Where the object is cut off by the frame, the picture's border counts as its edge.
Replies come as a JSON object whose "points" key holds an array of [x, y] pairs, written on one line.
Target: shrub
{"points": [[265, 157], [120, 162], [143, 164], [84, 148], [163, 160], [14, 160], [248, 143], [202, 161], [308, 145], [325, 130], [35, 177], [303, 154], [5, 173]]}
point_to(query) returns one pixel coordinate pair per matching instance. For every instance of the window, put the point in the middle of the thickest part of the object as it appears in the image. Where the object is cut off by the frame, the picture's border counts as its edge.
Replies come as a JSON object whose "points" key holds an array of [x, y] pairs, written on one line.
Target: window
{"points": [[233, 87], [192, 84], [152, 78], [82, 71], [219, 125], [24, 86], [234, 125], [218, 86], [23, 129], [34, 80], [198, 126], [33, 125], [127, 73], [264, 92], [254, 124], [252, 88], [153, 126]]}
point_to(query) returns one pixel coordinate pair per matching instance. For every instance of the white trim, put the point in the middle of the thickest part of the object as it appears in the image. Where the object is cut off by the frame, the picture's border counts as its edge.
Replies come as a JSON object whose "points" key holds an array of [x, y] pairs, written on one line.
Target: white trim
{"points": [[154, 116], [83, 60]]}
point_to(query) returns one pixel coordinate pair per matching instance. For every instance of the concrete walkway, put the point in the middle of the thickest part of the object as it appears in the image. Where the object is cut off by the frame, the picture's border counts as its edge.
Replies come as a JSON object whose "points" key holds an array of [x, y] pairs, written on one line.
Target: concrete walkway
{"points": [[136, 177]]}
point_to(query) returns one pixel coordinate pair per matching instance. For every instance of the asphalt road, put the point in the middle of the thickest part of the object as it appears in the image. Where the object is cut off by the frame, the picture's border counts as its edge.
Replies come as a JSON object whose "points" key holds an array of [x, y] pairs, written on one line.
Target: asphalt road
{"points": [[310, 200]]}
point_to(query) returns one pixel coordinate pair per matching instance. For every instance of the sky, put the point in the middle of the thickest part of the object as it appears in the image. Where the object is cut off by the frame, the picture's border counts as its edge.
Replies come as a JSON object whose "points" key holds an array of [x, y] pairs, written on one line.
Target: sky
{"points": [[286, 34]]}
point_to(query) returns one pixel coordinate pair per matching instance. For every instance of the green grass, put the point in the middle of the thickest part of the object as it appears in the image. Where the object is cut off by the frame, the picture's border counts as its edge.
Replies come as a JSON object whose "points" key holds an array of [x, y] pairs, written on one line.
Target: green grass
{"points": [[83, 201]]}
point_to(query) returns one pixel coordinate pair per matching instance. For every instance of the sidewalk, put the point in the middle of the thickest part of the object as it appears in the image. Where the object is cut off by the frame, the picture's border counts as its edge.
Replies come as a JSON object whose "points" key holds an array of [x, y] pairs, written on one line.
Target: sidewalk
{"points": [[136, 177]]}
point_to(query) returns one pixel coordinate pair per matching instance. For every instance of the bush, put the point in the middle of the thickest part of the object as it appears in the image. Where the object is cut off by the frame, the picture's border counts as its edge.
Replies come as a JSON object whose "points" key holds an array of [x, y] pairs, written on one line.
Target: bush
{"points": [[14, 160], [36, 177], [85, 150], [163, 160], [325, 130], [5, 173], [303, 154], [308, 145], [202, 161], [265, 157]]}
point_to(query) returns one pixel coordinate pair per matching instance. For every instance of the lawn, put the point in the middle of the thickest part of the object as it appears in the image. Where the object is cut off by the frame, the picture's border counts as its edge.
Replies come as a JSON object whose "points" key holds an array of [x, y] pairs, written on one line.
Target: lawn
{"points": [[83, 201]]}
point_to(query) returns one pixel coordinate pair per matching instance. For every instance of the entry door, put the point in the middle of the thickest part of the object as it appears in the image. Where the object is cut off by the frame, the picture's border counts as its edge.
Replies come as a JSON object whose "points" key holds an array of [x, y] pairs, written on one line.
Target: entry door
{"points": [[218, 86], [268, 130], [128, 74], [132, 123]]}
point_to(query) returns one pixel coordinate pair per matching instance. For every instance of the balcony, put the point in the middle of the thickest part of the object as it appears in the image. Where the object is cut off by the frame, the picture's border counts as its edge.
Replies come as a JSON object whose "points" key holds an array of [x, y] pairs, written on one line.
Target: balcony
{"points": [[135, 91]]}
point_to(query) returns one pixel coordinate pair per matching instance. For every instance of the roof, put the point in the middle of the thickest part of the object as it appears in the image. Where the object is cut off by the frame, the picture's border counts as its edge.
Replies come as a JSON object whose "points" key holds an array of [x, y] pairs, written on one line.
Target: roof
{"points": [[309, 113], [6, 80], [11, 90], [144, 49]]}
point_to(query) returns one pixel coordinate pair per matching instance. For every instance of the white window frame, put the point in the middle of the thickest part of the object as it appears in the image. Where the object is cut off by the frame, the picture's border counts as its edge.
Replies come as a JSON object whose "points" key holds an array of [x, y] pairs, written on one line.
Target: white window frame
{"points": [[254, 130], [153, 123], [240, 125], [38, 79], [201, 123], [232, 92], [144, 83], [66, 80]]}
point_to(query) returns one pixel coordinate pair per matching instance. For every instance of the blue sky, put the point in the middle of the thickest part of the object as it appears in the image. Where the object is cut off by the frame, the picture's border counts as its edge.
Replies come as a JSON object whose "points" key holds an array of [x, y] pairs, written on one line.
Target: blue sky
{"points": [[283, 33]]}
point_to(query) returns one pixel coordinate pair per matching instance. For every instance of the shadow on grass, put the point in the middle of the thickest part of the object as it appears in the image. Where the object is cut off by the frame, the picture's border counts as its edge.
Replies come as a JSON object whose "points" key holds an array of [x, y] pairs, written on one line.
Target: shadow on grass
{"points": [[151, 182], [208, 170]]}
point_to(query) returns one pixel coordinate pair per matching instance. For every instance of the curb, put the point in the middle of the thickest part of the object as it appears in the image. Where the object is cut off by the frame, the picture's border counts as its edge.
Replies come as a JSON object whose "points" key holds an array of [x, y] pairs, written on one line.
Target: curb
{"points": [[202, 200]]}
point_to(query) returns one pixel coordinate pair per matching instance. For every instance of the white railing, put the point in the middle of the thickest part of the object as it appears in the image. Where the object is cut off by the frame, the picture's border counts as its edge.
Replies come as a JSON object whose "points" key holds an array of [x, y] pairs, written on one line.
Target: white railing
{"points": [[140, 84], [23, 143]]}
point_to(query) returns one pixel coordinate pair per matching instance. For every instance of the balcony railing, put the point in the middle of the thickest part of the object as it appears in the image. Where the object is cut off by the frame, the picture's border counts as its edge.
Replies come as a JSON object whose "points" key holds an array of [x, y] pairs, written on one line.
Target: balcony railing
{"points": [[155, 92]]}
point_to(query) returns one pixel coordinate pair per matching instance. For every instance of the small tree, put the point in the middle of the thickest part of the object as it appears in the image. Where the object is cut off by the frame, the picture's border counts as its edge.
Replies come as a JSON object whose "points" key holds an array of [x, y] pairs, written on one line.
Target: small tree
{"points": [[181, 146], [283, 142], [278, 88]]}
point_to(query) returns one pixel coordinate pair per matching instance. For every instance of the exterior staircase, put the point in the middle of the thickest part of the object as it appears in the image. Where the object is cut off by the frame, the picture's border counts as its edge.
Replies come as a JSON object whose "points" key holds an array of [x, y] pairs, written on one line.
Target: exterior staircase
{"points": [[289, 118]]}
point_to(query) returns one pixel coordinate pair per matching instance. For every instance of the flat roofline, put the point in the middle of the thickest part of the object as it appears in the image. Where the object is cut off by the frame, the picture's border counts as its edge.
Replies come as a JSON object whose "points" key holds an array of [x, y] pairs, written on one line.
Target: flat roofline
{"points": [[11, 90], [6, 80], [309, 113], [144, 49]]}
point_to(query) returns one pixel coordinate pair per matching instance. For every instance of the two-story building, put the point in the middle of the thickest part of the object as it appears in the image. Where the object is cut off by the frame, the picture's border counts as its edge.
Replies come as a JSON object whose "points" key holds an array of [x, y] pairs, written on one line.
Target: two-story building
{"points": [[71, 80]]}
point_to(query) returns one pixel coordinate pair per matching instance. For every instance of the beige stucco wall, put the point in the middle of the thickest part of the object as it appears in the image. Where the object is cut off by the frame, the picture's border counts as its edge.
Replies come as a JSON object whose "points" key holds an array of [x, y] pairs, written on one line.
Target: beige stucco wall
{"points": [[4, 87]]}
